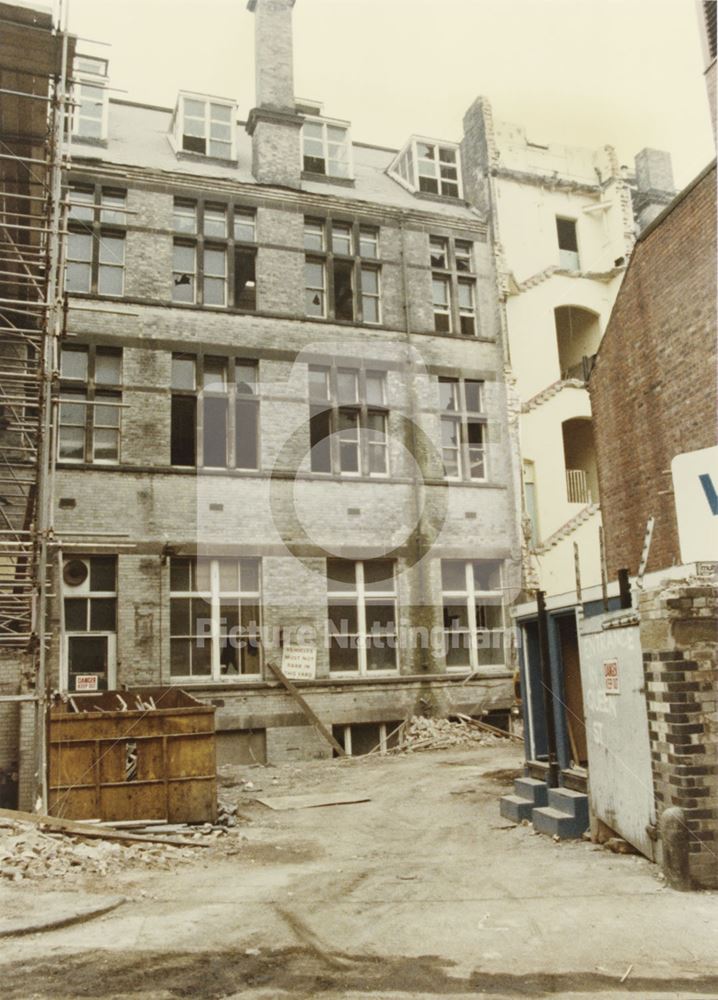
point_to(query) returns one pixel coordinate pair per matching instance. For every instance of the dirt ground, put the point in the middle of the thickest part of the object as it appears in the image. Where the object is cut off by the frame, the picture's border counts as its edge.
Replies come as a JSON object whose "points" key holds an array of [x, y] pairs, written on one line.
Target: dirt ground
{"points": [[422, 892]]}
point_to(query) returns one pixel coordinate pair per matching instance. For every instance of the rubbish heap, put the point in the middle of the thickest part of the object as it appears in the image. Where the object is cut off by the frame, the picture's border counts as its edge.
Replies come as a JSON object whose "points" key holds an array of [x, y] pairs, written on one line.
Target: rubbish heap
{"points": [[421, 733]]}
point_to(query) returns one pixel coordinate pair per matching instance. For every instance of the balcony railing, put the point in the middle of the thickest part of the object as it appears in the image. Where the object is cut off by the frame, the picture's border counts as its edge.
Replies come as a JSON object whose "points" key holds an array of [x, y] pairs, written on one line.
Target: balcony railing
{"points": [[577, 486]]}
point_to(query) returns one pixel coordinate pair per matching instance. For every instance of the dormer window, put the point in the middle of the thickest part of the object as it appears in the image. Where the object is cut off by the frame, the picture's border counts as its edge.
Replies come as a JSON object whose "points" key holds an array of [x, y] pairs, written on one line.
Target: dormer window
{"points": [[326, 148], [429, 166], [205, 126], [90, 95]]}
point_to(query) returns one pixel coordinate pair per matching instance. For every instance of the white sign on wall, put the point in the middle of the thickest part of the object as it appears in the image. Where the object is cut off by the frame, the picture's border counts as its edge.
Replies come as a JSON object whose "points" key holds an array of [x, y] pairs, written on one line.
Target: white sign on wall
{"points": [[695, 487], [610, 677], [299, 663]]}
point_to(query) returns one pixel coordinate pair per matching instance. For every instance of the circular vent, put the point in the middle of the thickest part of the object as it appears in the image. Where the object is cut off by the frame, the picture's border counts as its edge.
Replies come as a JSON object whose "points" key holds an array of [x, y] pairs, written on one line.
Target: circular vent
{"points": [[74, 573]]}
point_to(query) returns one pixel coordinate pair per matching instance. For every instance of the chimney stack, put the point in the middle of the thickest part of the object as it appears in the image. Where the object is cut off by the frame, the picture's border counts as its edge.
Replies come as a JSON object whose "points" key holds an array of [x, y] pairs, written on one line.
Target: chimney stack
{"points": [[274, 123], [654, 184]]}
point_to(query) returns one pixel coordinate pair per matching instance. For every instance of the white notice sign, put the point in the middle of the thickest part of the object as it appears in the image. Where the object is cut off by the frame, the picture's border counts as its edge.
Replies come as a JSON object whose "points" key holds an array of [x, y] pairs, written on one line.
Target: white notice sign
{"points": [[299, 663], [610, 676]]}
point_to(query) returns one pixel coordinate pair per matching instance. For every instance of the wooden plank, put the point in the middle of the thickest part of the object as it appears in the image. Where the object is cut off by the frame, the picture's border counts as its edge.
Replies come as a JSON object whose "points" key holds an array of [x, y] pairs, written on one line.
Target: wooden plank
{"points": [[282, 802], [487, 728], [308, 711], [55, 825]]}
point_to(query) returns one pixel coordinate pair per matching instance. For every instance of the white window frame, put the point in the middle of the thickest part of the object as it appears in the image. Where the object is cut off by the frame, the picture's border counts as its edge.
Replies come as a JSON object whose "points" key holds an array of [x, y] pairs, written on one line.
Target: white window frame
{"points": [[367, 295], [468, 312], [363, 437], [462, 417], [442, 308], [569, 260], [405, 166], [326, 123], [93, 397], [215, 596], [208, 100], [85, 78], [359, 595], [87, 594], [470, 596]]}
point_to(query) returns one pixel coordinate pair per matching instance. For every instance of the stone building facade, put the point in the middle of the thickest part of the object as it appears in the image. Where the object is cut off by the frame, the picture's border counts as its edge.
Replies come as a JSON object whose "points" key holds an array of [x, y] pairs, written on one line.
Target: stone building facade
{"points": [[282, 417]]}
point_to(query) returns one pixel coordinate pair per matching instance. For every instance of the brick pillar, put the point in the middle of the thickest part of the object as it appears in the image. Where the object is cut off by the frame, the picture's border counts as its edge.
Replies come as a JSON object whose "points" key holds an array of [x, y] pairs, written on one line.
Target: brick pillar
{"points": [[679, 637], [274, 123]]}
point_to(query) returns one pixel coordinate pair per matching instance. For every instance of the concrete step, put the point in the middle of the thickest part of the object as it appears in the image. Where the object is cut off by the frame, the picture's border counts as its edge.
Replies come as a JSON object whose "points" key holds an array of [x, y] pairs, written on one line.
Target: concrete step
{"points": [[533, 789], [556, 823], [515, 808], [574, 804]]}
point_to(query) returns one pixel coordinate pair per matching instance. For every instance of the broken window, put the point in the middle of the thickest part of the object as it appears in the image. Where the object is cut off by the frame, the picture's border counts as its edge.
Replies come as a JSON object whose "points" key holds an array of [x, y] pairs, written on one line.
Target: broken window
{"points": [[463, 428], [348, 421], [205, 126], [89, 607], [430, 166], [228, 405], [96, 244], [338, 284], [90, 404], [213, 269], [473, 607], [214, 619], [453, 293], [326, 148], [362, 617], [567, 244]]}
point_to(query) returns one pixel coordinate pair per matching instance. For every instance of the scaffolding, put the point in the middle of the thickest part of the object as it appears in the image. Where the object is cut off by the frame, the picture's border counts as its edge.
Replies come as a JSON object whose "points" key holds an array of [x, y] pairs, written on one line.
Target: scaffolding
{"points": [[35, 54]]}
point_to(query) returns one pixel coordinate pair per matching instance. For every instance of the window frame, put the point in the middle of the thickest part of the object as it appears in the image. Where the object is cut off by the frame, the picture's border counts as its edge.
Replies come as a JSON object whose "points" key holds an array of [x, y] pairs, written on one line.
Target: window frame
{"points": [[89, 595], [322, 231], [89, 218], [362, 598], [405, 167], [470, 597], [87, 78], [325, 124], [463, 417], [236, 398], [179, 120], [569, 259], [85, 392], [448, 257], [217, 596], [203, 243], [334, 409]]}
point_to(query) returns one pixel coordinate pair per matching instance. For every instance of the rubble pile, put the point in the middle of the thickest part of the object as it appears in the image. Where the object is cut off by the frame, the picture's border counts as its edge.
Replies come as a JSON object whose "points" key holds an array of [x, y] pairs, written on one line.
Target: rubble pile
{"points": [[420, 733], [28, 852]]}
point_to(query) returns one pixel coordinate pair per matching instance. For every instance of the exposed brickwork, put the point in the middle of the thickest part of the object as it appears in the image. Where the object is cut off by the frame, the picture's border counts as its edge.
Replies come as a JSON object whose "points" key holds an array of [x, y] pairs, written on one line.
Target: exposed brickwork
{"points": [[679, 636], [653, 390]]}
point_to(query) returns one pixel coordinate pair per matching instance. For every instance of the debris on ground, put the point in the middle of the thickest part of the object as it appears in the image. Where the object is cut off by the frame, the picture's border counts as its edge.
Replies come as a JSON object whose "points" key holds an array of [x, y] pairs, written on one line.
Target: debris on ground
{"points": [[421, 733], [29, 852]]}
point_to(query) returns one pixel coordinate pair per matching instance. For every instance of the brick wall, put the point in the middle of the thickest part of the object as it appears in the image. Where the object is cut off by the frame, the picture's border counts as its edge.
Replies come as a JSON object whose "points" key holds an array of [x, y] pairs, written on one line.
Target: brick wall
{"points": [[679, 637], [653, 390]]}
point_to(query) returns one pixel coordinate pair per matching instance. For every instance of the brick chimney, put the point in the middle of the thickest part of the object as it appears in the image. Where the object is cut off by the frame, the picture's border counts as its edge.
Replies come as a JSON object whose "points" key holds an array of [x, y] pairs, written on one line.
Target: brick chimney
{"points": [[274, 123], [654, 185]]}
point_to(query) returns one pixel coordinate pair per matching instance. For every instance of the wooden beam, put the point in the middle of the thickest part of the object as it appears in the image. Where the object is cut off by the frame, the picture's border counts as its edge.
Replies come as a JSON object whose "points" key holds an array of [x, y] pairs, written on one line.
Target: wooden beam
{"points": [[53, 824], [308, 711]]}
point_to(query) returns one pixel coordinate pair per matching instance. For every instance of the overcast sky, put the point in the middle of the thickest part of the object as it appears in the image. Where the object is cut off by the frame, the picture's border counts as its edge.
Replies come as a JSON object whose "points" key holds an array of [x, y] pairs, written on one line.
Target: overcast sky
{"points": [[588, 72]]}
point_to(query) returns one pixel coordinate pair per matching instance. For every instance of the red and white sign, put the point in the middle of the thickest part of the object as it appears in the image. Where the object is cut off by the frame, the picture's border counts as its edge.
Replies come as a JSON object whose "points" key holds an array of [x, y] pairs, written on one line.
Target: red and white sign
{"points": [[610, 676], [86, 682]]}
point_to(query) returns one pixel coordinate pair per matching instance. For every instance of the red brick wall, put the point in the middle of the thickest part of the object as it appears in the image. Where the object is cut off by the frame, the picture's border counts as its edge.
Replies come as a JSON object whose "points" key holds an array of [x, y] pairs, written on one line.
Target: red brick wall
{"points": [[653, 390]]}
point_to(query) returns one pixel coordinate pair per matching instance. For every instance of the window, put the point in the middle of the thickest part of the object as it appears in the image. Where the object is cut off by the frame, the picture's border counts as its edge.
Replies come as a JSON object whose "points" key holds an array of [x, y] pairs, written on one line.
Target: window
{"points": [[214, 619], [453, 290], [429, 166], [463, 428], [89, 120], [205, 126], [348, 418], [217, 266], [326, 148], [473, 614], [89, 591], [90, 404], [339, 282], [362, 617], [96, 242], [215, 412], [567, 244]]}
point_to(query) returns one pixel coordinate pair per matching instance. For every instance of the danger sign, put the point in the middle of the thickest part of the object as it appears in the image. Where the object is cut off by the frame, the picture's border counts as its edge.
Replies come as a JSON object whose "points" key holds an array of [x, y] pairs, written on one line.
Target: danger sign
{"points": [[610, 676], [86, 682]]}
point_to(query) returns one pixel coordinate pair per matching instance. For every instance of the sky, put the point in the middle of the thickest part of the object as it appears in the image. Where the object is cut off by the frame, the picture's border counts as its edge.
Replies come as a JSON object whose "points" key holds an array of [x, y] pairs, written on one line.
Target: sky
{"points": [[628, 73]]}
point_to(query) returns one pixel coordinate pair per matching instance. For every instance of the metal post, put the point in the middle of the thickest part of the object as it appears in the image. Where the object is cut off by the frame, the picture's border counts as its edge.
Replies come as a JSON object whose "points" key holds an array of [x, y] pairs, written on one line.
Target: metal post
{"points": [[547, 688]]}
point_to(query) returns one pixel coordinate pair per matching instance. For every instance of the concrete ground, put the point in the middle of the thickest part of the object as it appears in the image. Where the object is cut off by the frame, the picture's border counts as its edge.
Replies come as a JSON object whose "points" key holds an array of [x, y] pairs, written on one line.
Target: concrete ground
{"points": [[422, 892]]}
